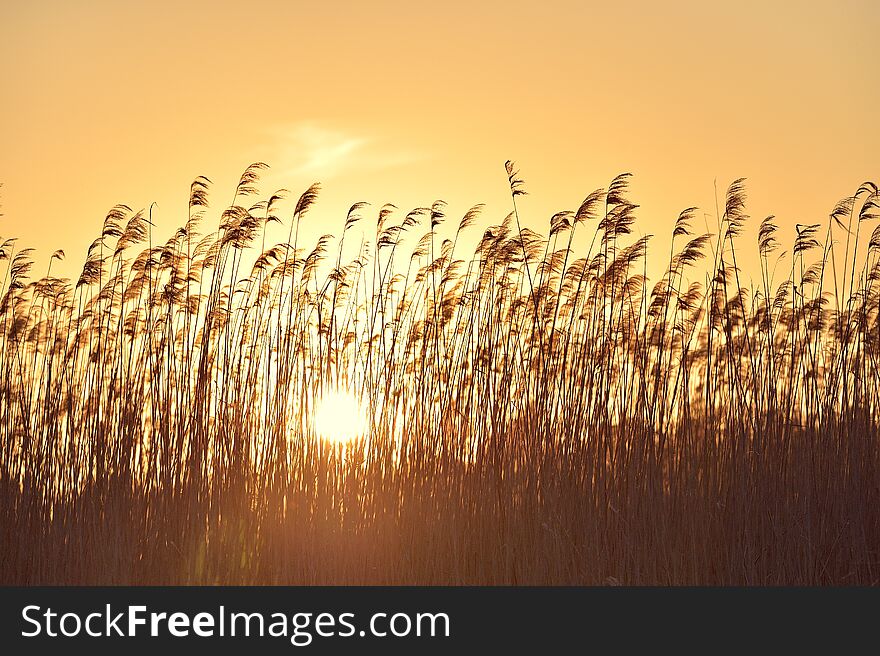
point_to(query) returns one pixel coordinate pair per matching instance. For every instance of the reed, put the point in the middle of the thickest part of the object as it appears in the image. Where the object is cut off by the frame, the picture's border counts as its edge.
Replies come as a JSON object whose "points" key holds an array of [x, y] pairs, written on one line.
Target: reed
{"points": [[538, 412]]}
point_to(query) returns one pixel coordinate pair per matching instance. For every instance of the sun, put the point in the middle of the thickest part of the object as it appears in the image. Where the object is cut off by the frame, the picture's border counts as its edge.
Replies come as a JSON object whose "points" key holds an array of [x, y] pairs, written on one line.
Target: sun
{"points": [[340, 417]]}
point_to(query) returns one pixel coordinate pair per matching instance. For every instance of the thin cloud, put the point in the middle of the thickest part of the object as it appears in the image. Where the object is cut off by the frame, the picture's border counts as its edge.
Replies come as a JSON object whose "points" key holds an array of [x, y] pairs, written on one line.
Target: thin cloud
{"points": [[312, 150]]}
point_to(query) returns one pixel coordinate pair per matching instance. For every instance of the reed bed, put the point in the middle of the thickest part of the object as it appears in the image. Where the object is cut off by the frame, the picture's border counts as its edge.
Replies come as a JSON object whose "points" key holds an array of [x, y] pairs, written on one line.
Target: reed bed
{"points": [[539, 412]]}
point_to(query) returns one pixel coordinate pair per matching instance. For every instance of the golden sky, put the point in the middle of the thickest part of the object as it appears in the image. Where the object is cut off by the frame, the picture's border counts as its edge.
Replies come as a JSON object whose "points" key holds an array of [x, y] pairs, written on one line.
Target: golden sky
{"points": [[107, 102]]}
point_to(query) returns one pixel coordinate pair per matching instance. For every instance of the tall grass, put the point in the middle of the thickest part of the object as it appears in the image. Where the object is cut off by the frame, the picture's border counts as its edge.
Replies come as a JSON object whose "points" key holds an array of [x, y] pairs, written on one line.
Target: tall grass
{"points": [[539, 413]]}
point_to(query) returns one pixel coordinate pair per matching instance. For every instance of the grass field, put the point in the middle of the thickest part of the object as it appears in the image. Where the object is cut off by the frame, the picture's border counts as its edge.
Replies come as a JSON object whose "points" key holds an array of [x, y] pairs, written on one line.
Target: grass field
{"points": [[536, 410]]}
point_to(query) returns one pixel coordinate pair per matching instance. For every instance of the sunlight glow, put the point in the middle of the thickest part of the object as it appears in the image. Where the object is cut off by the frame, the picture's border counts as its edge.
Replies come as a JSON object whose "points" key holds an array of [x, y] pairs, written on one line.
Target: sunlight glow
{"points": [[340, 417]]}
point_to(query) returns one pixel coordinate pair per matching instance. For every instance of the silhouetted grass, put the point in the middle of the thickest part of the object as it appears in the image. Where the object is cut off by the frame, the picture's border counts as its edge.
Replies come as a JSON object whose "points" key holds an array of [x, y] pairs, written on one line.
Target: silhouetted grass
{"points": [[540, 414]]}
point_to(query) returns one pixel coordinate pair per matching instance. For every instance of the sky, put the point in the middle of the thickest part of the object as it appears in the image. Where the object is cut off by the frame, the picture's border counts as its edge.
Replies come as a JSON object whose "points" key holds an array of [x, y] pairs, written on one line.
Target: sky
{"points": [[106, 102]]}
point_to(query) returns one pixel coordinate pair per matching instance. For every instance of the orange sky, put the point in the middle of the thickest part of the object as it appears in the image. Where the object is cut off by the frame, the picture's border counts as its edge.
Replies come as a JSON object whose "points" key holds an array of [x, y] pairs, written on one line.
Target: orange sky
{"points": [[108, 102]]}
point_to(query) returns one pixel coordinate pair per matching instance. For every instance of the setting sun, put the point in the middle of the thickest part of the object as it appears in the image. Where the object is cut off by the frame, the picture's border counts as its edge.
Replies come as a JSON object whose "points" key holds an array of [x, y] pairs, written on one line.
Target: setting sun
{"points": [[340, 416]]}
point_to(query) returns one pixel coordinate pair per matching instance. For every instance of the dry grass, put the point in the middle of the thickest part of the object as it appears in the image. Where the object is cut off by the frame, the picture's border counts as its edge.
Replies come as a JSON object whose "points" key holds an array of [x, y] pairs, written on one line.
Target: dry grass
{"points": [[539, 413]]}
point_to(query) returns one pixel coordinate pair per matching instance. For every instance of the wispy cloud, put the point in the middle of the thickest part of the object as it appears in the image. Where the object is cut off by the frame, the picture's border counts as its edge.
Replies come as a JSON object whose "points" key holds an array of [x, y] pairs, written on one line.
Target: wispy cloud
{"points": [[310, 149]]}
